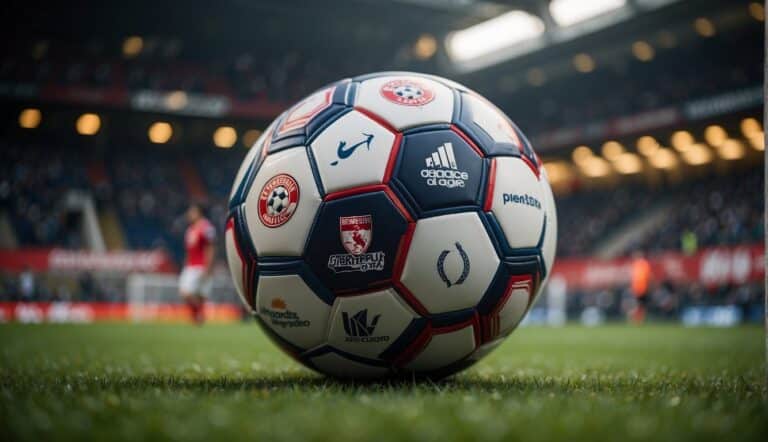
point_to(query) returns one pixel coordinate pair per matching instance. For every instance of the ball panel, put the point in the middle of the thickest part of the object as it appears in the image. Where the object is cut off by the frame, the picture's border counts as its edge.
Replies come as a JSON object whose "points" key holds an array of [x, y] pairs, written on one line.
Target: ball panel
{"points": [[443, 349], [282, 232], [367, 325], [337, 365], [406, 100], [493, 130], [353, 151], [235, 262], [354, 242], [517, 202], [451, 262], [440, 170], [292, 310]]}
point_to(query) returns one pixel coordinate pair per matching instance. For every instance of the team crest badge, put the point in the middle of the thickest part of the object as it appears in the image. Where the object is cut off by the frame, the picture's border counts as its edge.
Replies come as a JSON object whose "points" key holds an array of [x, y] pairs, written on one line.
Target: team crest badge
{"points": [[356, 233], [278, 200], [407, 92]]}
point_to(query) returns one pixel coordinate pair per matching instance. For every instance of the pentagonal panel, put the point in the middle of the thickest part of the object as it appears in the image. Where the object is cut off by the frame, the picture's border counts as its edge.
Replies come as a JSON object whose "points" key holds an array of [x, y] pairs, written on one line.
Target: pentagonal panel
{"points": [[355, 240], [451, 262], [406, 101], [353, 151], [282, 204], [366, 325], [292, 310], [339, 366], [549, 245], [518, 202], [235, 261], [497, 136], [444, 349], [440, 170]]}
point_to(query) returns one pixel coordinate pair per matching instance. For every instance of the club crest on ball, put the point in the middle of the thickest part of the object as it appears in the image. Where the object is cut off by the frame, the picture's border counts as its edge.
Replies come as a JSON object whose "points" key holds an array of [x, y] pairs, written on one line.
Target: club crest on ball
{"points": [[407, 92], [278, 200]]}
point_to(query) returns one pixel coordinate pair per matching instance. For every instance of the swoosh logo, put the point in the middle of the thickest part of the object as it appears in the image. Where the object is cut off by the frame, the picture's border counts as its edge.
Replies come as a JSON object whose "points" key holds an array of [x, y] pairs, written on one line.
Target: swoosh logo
{"points": [[344, 151]]}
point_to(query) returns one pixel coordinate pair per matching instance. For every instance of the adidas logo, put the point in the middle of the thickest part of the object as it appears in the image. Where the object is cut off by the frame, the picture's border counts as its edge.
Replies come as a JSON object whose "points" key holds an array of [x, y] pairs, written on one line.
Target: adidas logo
{"points": [[442, 169]]}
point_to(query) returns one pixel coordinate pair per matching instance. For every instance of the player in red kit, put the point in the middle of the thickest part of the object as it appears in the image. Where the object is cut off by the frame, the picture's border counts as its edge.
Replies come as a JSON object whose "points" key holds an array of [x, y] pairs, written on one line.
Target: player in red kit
{"points": [[195, 280]]}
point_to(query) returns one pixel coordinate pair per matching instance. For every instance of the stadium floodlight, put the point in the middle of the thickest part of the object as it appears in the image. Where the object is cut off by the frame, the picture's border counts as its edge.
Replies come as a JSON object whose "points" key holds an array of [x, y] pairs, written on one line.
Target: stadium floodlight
{"points": [[30, 118], [731, 149], [715, 135], [697, 154], [612, 149], [493, 36], [88, 124], [250, 136], [681, 140], [647, 145], [225, 137], [569, 12], [663, 159], [160, 132], [628, 163]]}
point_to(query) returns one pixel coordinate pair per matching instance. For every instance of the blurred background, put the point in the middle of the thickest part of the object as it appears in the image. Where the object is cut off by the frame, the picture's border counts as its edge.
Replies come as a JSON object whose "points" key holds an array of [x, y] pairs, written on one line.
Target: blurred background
{"points": [[646, 113]]}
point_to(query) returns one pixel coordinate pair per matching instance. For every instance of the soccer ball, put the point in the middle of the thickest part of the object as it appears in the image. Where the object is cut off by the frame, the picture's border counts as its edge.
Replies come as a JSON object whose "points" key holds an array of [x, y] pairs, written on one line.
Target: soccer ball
{"points": [[390, 224]]}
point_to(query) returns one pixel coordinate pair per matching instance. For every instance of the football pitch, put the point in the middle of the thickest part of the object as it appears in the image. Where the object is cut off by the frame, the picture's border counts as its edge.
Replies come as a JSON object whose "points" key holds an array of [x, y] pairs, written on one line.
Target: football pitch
{"points": [[227, 382]]}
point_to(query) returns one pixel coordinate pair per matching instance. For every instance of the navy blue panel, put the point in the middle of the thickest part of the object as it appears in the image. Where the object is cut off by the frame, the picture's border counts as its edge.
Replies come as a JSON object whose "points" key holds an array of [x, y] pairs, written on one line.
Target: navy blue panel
{"points": [[286, 143], [340, 269], [404, 340], [467, 125], [351, 93], [524, 265], [494, 230], [340, 94], [315, 171], [495, 291], [245, 184], [451, 318], [427, 128], [457, 105], [328, 349], [405, 198], [242, 234], [435, 178]]}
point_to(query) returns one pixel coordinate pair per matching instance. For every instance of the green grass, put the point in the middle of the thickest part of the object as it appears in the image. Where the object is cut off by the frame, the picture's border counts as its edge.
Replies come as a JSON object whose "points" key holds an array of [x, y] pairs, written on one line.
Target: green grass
{"points": [[142, 382]]}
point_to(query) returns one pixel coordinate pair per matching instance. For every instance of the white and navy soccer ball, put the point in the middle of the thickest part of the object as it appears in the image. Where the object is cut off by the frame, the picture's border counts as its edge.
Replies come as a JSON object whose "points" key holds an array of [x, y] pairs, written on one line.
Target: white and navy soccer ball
{"points": [[390, 224]]}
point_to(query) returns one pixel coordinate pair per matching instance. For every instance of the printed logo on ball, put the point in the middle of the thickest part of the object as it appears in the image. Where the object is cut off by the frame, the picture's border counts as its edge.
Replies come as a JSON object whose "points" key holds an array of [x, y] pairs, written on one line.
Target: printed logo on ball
{"points": [[523, 198], [358, 329], [407, 92], [356, 233], [278, 200], [442, 170], [280, 316], [464, 266], [344, 151]]}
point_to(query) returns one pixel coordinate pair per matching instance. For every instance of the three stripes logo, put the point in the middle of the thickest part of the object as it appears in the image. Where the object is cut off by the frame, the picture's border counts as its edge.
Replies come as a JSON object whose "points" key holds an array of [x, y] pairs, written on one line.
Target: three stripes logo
{"points": [[442, 169], [358, 329]]}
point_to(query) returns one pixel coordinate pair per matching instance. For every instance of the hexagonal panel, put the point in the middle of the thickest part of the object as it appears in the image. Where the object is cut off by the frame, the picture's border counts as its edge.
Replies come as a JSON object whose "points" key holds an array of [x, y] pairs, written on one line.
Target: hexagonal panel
{"points": [[517, 202], [440, 170], [353, 151], [341, 367], [366, 325], [354, 242], [451, 262], [292, 310], [303, 112], [282, 203], [497, 136], [444, 348], [406, 100]]}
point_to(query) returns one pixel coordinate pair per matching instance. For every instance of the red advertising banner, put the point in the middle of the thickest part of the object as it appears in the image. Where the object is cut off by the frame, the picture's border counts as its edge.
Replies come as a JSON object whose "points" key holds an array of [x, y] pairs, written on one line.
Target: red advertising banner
{"points": [[713, 266], [88, 312], [155, 261]]}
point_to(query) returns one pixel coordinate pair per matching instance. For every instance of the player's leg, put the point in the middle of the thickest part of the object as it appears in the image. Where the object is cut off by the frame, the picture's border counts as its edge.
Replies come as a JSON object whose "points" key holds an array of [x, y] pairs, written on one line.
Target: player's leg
{"points": [[190, 282]]}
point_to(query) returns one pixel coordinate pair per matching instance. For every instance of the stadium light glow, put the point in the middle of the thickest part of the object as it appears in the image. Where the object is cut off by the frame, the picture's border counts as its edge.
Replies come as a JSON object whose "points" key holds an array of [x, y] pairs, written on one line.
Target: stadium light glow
{"points": [[663, 159], [757, 11], [697, 154], [425, 47], [715, 135], [681, 140], [570, 12], [557, 172], [628, 163], [30, 118], [647, 145], [643, 51], [704, 27], [176, 100], [160, 132], [88, 124], [731, 149], [612, 149], [583, 63], [493, 35], [595, 167], [750, 126], [581, 154], [132, 46], [757, 140], [225, 137], [250, 136]]}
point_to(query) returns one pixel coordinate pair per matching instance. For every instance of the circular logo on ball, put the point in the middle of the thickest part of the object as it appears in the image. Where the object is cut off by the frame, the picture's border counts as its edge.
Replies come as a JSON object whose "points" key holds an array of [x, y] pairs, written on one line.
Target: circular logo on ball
{"points": [[278, 200], [407, 92]]}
